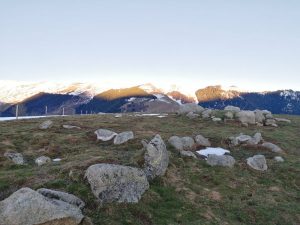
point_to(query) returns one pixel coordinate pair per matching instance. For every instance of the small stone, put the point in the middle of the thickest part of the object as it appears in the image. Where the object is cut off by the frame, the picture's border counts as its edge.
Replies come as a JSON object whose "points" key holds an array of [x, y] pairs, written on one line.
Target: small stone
{"points": [[16, 158], [105, 135], [229, 115], [188, 154], [232, 108], [202, 141], [192, 115], [257, 162], [188, 143], [176, 142], [279, 159], [221, 160], [123, 137], [272, 147], [216, 119], [283, 120], [46, 125], [71, 127], [42, 160]]}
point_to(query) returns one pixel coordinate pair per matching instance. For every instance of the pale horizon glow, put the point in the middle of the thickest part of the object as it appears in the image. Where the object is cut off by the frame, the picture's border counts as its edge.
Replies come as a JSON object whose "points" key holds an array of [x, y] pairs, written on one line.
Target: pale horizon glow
{"points": [[253, 45]]}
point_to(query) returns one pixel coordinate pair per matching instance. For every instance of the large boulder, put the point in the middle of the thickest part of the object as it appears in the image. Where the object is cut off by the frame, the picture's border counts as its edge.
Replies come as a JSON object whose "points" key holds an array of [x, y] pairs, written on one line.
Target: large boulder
{"points": [[220, 160], [156, 158], [176, 142], [257, 138], [259, 116], [272, 147], [116, 183], [232, 108], [62, 196], [42, 160], [46, 125], [123, 137], [190, 107], [247, 117], [105, 135], [28, 207], [258, 162], [202, 141], [16, 158]]}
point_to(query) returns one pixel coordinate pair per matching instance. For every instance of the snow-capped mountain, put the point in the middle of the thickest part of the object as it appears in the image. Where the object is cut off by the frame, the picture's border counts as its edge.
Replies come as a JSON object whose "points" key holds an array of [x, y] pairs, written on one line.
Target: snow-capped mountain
{"points": [[17, 91], [76, 98]]}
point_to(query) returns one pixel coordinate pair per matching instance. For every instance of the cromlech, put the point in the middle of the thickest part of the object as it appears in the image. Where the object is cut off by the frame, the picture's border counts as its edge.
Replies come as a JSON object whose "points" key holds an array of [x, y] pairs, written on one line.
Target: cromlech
{"points": [[149, 112]]}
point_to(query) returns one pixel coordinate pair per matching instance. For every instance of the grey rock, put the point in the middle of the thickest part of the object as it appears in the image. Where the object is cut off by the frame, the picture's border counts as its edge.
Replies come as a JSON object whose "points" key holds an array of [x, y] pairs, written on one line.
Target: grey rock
{"points": [[272, 147], [123, 137], [42, 160], [156, 158], [116, 183], [242, 138], [176, 142], [229, 115], [207, 113], [269, 116], [188, 154], [266, 112], [258, 162], [46, 125], [216, 119], [202, 141], [220, 160], [283, 120], [232, 109], [245, 125], [278, 159], [188, 143], [259, 116], [190, 107], [71, 127], [246, 117], [192, 115], [62, 196], [28, 207], [257, 138], [246, 139], [16, 158], [105, 135], [271, 122]]}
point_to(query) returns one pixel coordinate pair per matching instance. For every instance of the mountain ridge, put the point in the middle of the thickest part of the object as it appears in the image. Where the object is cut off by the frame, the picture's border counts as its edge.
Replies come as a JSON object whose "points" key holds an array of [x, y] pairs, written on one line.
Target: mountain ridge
{"points": [[78, 98]]}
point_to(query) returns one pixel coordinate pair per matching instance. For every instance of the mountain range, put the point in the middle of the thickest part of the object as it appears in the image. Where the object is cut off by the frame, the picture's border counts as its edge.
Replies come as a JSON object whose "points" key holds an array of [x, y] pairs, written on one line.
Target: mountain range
{"points": [[80, 98]]}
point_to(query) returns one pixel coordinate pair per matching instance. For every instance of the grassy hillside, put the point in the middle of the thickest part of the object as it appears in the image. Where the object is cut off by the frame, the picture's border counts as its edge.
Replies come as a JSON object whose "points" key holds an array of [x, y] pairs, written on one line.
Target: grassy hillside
{"points": [[191, 192]]}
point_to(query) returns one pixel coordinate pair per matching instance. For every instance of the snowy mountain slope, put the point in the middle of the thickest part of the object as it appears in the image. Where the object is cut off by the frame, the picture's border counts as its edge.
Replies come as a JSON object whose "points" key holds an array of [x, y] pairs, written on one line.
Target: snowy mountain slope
{"points": [[17, 91]]}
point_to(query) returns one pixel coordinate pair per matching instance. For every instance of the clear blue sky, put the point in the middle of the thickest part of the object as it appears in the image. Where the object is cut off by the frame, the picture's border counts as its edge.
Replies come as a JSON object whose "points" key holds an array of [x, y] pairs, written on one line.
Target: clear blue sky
{"points": [[251, 44]]}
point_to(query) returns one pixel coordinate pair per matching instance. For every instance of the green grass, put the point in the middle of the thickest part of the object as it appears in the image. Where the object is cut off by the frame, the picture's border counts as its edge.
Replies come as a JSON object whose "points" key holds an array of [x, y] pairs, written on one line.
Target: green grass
{"points": [[191, 192]]}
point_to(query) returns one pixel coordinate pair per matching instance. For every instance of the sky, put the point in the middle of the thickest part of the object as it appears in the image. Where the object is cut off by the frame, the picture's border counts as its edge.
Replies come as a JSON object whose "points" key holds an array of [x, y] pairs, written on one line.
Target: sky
{"points": [[254, 45]]}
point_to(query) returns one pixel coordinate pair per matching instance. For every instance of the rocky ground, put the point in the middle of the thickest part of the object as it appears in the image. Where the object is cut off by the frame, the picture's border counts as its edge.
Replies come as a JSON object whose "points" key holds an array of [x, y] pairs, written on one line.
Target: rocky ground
{"points": [[235, 189]]}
